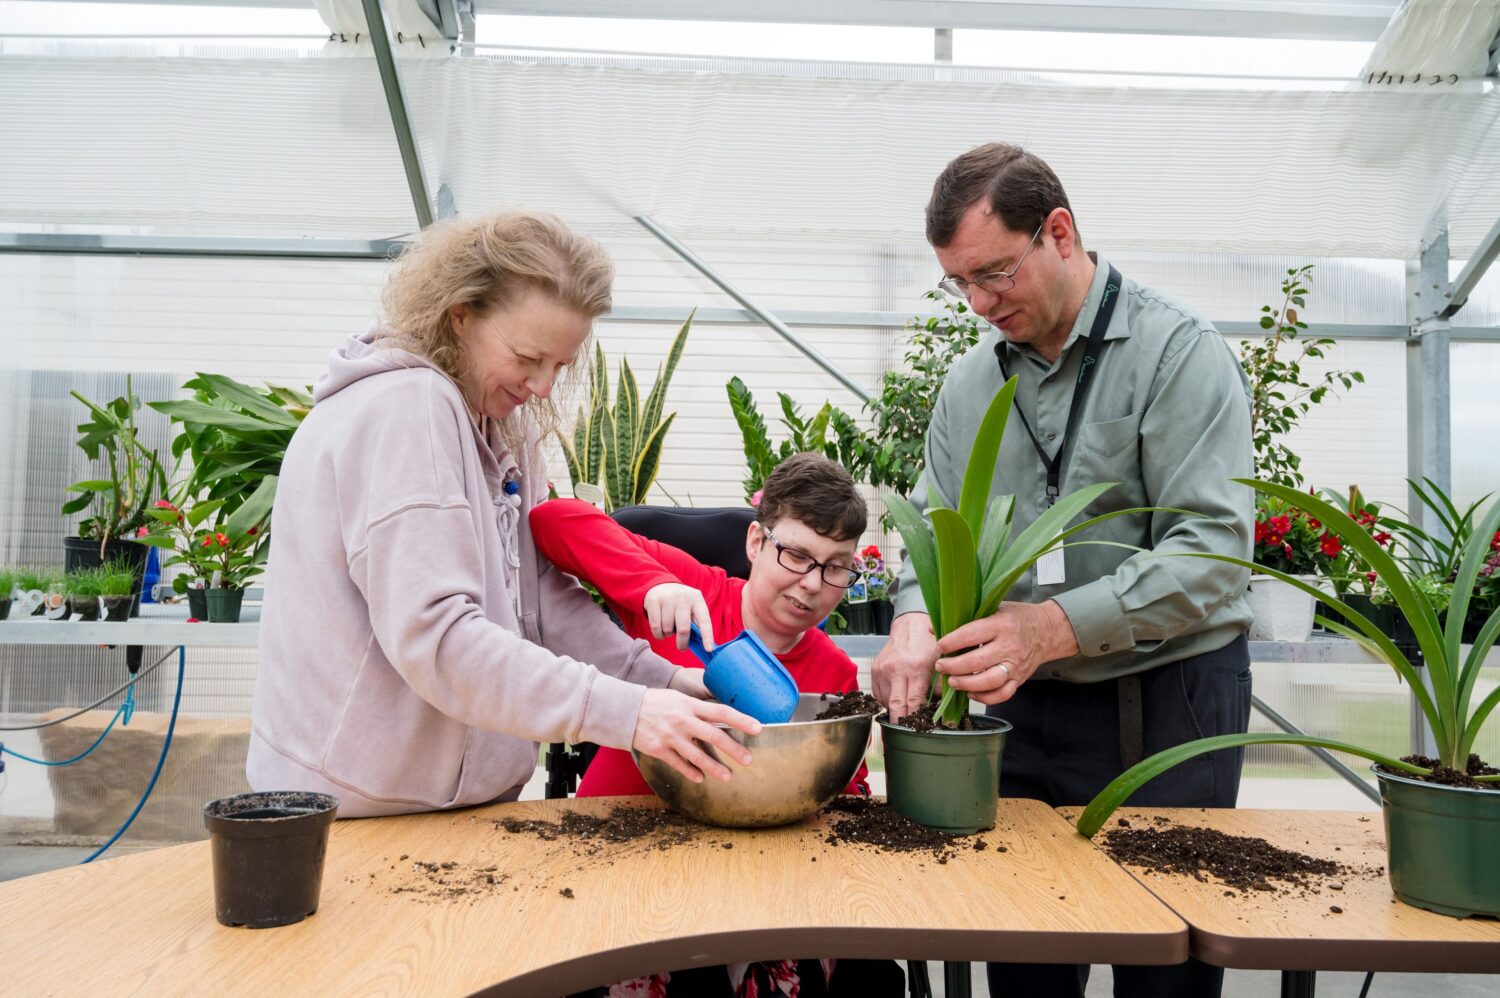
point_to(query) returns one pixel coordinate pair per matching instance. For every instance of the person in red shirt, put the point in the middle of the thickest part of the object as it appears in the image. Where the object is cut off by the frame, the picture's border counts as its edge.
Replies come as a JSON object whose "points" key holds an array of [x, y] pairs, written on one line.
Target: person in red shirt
{"points": [[801, 549]]}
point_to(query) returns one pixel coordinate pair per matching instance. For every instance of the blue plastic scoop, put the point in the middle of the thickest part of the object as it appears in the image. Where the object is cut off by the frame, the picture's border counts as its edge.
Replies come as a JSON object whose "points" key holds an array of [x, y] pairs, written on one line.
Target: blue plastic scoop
{"points": [[745, 675]]}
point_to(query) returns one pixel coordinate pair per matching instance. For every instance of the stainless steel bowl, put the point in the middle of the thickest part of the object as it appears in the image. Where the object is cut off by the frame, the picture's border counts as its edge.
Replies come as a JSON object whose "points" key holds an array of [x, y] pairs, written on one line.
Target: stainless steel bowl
{"points": [[795, 768]]}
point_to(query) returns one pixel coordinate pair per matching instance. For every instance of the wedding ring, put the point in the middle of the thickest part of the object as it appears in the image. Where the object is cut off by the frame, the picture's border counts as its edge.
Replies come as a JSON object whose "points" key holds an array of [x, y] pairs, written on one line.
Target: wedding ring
{"points": [[1006, 667]]}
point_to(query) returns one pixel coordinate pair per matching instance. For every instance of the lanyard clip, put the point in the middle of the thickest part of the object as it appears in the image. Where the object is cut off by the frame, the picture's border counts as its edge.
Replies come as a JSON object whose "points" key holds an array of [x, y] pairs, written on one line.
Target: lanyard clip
{"points": [[1052, 493]]}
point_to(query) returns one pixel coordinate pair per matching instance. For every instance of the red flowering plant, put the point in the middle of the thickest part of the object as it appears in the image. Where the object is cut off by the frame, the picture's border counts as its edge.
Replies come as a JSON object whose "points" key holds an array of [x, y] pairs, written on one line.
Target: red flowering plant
{"points": [[1289, 540], [224, 554], [1353, 574]]}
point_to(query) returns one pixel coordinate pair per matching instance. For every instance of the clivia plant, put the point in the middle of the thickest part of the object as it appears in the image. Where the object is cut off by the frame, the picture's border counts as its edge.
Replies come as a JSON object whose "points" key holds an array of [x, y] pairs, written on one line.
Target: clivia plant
{"points": [[1446, 699], [966, 560]]}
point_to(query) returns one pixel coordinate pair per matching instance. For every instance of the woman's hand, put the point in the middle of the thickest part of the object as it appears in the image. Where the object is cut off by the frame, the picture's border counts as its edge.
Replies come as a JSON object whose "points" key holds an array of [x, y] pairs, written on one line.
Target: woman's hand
{"points": [[671, 607], [671, 725]]}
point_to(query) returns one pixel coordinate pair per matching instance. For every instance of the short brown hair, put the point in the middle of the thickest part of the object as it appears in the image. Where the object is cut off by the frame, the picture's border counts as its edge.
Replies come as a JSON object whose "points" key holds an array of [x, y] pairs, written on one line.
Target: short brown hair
{"points": [[1019, 186], [488, 262], [811, 489]]}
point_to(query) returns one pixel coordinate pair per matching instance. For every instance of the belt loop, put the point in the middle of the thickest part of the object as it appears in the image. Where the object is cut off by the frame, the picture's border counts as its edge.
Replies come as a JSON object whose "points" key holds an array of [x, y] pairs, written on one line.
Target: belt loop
{"points": [[1132, 720]]}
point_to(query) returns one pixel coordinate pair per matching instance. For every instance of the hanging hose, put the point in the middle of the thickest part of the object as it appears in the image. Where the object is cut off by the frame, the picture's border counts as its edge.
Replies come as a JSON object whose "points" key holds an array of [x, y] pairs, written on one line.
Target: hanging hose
{"points": [[127, 708], [161, 760]]}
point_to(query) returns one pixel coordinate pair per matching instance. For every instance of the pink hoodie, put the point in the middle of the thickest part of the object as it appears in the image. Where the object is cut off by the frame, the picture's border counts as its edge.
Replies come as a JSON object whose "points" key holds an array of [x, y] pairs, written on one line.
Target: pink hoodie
{"points": [[395, 671]]}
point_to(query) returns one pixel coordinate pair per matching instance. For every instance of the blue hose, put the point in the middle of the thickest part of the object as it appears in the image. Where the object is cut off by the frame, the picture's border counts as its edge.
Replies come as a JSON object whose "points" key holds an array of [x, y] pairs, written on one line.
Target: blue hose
{"points": [[161, 760], [125, 708]]}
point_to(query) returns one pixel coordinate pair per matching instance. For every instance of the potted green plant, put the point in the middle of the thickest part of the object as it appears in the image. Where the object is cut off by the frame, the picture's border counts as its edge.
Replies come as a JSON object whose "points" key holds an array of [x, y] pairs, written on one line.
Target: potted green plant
{"points": [[236, 553], [116, 583], [1440, 838], [116, 504], [30, 590], [1291, 543], [1435, 552], [83, 589], [943, 764], [617, 448], [180, 530]]}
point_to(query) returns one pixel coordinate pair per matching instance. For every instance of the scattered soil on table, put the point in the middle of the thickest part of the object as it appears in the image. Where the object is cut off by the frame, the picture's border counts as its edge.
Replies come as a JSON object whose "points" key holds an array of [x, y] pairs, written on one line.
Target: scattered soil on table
{"points": [[863, 821], [653, 827], [430, 881], [1240, 862], [1447, 777], [852, 704]]}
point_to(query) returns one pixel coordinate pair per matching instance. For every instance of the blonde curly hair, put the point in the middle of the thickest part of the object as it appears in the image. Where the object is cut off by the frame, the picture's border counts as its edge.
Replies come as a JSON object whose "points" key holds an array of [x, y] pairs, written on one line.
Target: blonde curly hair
{"points": [[488, 262]]}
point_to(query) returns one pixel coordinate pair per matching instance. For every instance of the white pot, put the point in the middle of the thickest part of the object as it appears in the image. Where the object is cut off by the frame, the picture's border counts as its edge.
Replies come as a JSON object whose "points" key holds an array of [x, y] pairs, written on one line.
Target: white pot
{"points": [[1282, 612]]}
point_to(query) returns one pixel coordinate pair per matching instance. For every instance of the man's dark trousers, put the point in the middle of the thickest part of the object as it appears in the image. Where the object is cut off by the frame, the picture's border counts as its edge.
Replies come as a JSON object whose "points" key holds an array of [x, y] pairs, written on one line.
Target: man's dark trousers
{"points": [[1067, 745]]}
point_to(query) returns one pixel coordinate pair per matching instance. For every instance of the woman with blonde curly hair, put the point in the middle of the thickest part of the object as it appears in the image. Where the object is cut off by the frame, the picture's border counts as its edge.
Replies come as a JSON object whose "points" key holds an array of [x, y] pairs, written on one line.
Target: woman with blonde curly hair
{"points": [[414, 647]]}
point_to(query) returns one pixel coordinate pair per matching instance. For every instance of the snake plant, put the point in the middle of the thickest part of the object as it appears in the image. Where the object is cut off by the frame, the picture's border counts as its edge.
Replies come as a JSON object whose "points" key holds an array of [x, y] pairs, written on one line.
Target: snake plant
{"points": [[1449, 707]]}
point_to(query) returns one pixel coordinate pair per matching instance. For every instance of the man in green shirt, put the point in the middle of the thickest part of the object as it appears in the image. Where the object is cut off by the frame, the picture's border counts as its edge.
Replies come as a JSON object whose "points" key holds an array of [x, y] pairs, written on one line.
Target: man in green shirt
{"points": [[1102, 655]]}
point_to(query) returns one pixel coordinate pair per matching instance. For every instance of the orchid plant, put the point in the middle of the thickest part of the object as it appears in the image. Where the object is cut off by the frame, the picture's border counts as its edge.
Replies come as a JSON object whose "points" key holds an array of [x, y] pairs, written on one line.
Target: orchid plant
{"points": [[966, 560], [1446, 700]]}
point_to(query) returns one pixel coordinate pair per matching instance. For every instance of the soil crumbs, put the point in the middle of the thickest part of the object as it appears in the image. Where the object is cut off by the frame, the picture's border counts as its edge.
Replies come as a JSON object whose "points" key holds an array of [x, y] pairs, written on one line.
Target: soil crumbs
{"points": [[851, 704], [1243, 863], [1450, 777], [444, 881], [921, 719], [863, 821], [589, 835]]}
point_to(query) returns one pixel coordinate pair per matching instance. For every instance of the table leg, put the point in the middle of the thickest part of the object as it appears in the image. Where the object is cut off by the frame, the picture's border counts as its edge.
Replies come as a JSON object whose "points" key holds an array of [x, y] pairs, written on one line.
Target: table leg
{"points": [[956, 983], [1299, 983]]}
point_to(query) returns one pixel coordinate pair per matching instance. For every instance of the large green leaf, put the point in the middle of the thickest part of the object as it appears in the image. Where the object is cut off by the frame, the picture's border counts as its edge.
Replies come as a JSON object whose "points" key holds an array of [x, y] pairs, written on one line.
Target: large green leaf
{"points": [[1119, 790], [192, 411], [1043, 532], [1414, 605], [648, 460], [996, 533], [248, 399], [657, 399], [1475, 554], [757, 439], [979, 475], [920, 551], [253, 511], [956, 569]]}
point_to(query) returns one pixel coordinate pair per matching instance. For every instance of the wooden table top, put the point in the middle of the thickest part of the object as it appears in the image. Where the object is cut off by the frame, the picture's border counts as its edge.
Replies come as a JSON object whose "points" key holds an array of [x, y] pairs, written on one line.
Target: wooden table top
{"points": [[144, 923], [1296, 929]]}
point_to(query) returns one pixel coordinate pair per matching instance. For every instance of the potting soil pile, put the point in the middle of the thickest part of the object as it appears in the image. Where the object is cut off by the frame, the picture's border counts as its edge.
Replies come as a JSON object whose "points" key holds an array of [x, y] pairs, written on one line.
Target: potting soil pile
{"points": [[850, 704]]}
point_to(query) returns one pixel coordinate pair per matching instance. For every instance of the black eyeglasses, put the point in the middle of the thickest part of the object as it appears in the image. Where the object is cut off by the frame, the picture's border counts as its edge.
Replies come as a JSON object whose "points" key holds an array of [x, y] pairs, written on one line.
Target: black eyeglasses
{"points": [[838, 576], [997, 283]]}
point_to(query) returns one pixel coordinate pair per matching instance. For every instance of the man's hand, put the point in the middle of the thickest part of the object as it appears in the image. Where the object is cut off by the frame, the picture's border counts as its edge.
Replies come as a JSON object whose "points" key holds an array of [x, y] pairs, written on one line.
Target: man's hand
{"points": [[672, 606], [671, 725], [1005, 649], [902, 672]]}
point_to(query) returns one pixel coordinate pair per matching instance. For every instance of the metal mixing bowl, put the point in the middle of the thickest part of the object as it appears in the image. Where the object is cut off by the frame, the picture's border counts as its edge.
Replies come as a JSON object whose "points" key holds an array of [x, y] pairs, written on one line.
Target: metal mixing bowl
{"points": [[795, 768]]}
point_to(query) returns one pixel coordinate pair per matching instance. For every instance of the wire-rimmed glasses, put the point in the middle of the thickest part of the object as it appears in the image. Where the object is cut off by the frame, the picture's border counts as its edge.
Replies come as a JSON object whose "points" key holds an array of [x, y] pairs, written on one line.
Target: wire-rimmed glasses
{"points": [[997, 283]]}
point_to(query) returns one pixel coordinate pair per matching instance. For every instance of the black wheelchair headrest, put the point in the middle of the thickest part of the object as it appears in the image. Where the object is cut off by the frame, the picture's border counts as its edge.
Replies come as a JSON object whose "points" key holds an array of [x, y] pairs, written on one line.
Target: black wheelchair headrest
{"points": [[713, 535]]}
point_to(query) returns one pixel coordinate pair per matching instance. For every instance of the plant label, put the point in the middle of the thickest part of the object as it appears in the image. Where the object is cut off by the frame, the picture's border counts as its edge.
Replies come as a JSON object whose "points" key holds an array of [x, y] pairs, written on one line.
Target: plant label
{"points": [[1050, 570]]}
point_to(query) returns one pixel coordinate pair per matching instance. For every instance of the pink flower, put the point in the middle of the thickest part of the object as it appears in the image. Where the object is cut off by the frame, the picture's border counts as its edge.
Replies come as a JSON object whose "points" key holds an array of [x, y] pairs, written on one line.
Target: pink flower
{"points": [[141, 532], [755, 499]]}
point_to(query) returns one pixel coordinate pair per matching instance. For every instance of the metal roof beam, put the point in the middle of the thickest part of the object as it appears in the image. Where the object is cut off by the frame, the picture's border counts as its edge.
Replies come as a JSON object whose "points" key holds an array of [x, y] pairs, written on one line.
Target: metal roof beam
{"points": [[390, 80], [1463, 285], [1337, 20]]}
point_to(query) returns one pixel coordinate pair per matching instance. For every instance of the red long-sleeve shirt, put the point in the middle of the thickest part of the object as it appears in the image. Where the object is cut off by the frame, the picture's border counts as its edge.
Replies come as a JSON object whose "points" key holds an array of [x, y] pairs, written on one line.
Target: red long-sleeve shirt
{"points": [[581, 540]]}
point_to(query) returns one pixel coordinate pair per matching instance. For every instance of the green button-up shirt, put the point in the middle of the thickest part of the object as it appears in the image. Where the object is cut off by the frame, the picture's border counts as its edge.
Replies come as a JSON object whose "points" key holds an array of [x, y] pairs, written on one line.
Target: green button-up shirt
{"points": [[1167, 416]]}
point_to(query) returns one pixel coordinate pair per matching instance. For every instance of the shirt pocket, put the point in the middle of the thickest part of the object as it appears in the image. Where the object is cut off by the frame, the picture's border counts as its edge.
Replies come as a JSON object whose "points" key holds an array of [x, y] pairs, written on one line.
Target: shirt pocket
{"points": [[1110, 452]]}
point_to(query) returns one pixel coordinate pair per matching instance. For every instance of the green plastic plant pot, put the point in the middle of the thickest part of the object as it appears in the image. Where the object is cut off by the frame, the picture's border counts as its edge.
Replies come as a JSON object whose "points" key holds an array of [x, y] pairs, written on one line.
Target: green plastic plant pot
{"points": [[224, 605], [1440, 843], [198, 603], [948, 780]]}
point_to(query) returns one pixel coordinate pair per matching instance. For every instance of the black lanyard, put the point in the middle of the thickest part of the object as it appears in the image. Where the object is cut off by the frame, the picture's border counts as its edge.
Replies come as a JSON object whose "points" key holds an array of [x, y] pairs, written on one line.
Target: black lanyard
{"points": [[1080, 388]]}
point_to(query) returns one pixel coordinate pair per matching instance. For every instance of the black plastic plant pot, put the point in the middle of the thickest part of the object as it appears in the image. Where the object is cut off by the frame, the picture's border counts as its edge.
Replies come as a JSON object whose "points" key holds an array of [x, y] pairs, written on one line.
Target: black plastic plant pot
{"points": [[224, 605], [198, 604], [84, 607], [80, 552], [268, 850], [4, 607], [117, 608]]}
